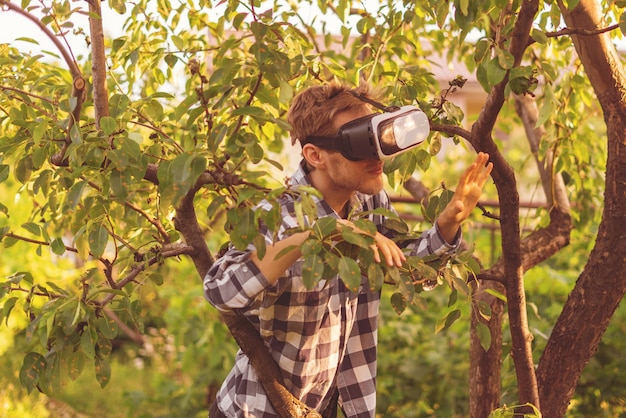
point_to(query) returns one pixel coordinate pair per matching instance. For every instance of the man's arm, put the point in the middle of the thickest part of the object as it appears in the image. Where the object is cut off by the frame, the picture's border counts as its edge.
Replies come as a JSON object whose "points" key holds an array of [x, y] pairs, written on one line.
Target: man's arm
{"points": [[465, 197], [272, 266]]}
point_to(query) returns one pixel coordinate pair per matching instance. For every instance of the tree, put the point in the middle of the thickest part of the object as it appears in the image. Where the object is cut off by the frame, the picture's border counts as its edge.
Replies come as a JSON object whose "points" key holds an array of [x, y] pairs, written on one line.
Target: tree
{"points": [[126, 168]]}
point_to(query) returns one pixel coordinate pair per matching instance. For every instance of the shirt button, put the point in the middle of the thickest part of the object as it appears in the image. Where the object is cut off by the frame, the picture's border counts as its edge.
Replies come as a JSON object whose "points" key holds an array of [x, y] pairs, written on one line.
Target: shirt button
{"points": [[245, 269]]}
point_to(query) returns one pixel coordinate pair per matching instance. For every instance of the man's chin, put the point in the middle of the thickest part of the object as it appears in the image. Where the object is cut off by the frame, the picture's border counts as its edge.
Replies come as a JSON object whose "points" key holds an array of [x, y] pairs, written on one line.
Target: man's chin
{"points": [[371, 189]]}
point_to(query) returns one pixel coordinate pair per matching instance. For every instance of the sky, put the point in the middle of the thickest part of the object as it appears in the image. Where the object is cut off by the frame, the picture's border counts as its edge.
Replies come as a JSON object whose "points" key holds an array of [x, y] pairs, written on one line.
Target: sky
{"points": [[14, 26]]}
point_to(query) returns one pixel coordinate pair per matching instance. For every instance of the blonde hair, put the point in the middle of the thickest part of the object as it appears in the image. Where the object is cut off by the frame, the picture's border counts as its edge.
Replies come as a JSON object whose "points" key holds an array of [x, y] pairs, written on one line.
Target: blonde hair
{"points": [[313, 110]]}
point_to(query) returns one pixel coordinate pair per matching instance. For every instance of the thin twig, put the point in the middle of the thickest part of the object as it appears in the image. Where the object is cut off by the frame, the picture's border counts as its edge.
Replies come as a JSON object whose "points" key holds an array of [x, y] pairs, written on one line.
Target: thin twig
{"points": [[168, 251]]}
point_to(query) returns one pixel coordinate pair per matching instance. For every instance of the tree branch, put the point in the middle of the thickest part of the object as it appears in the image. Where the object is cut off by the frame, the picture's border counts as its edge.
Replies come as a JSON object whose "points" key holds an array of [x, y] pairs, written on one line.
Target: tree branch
{"points": [[581, 31], [132, 334], [78, 84], [98, 62], [172, 250], [506, 185], [36, 241], [452, 130], [69, 60]]}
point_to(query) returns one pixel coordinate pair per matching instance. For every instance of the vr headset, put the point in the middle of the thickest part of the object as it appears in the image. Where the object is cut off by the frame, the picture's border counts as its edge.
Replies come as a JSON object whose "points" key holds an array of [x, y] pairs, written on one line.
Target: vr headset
{"points": [[378, 136]]}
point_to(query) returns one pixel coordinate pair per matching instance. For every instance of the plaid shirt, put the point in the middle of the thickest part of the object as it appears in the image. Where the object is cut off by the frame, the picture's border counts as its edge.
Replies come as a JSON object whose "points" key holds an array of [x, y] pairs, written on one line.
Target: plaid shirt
{"points": [[320, 338]]}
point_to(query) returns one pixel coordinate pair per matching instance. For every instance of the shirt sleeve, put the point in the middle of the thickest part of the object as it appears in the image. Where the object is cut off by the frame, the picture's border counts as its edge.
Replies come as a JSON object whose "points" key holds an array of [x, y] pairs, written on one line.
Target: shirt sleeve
{"points": [[431, 242], [233, 281]]}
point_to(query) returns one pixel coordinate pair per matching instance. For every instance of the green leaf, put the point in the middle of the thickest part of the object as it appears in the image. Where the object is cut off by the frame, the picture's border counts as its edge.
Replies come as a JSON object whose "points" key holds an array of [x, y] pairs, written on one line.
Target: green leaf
{"points": [[260, 244], [482, 47], [356, 238], [107, 327], [171, 60], [118, 104], [387, 213], [244, 227], [216, 204], [249, 110], [75, 364], [622, 23], [33, 366], [485, 310], [58, 246], [312, 270], [23, 170], [505, 58], [325, 226], [104, 346], [547, 108], [103, 371], [255, 152], [156, 278], [118, 5], [540, 36], [396, 225], [98, 238], [446, 322], [350, 273], [464, 4], [74, 195], [366, 226], [311, 246], [88, 344], [4, 172], [108, 125], [454, 295], [8, 307], [376, 276], [461, 285], [33, 228], [497, 294], [120, 183], [75, 135], [186, 168], [484, 335], [26, 39], [398, 303]]}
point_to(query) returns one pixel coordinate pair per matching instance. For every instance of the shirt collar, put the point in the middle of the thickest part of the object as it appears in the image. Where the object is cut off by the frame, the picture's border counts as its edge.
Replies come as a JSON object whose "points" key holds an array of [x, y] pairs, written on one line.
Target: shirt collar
{"points": [[301, 178]]}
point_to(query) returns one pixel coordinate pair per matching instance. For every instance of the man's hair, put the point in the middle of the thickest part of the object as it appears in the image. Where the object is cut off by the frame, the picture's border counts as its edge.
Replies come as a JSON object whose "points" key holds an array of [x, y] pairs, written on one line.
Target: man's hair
{"points": [[313, 110]]}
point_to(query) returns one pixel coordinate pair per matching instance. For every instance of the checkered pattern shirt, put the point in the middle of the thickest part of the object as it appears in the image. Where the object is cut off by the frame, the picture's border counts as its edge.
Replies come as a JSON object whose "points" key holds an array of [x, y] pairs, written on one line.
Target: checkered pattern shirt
{"points": [[320, 338]]}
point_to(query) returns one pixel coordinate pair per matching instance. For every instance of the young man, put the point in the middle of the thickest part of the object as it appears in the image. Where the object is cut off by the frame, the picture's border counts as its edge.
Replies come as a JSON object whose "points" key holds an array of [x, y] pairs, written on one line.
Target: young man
{"points": [[324, 340]]}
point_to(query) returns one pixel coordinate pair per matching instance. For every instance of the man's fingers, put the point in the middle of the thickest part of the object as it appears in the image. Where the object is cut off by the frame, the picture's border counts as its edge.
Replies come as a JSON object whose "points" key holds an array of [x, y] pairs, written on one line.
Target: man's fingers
{"points": [[376, 254], [391, 253]]}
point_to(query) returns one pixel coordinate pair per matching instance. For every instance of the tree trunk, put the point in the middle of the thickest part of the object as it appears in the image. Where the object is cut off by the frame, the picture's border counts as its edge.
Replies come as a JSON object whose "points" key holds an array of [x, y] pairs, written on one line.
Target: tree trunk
{"points": [[602, 284], [506, 184], [246, 336], [485, 366]]}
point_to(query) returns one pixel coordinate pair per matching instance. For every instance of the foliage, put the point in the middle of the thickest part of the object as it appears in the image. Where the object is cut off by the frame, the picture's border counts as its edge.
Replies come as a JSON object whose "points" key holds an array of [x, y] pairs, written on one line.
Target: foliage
{"points": [[197, 101]]}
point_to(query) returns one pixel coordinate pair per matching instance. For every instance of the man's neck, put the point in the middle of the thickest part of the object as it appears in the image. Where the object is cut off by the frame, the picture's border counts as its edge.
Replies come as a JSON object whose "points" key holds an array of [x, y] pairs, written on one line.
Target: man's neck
{"points": [[337, 199]]}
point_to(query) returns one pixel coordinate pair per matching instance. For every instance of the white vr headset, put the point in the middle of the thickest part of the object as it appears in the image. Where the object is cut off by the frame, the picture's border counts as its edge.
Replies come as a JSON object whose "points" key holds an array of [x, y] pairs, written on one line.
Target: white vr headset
{"points": [[378, 136]]}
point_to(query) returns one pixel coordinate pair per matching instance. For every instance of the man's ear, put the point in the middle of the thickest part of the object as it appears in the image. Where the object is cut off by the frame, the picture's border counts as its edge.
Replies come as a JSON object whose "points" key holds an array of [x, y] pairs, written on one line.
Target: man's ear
{"points": [[314, 155]]}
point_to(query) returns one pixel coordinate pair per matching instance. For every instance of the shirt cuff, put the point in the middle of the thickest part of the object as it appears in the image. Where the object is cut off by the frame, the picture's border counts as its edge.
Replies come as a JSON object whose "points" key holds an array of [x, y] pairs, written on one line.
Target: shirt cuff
{"points": [[449, 246]]}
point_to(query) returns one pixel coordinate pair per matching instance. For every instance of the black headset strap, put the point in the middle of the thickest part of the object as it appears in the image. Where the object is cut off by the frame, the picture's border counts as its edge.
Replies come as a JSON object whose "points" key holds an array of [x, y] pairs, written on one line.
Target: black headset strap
{"points": [[328, 142]]}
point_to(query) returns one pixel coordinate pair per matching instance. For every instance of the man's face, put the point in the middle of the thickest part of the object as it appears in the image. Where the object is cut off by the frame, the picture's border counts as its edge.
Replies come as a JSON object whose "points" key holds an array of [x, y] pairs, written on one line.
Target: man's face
{"points": [[364, 176]]}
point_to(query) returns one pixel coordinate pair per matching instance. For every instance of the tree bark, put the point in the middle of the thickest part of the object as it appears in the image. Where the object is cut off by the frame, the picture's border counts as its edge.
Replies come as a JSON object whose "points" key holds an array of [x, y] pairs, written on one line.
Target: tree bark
{"points": [[506, 185], [246, 336], [602, 284], [485, 366], [98, 62]]}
